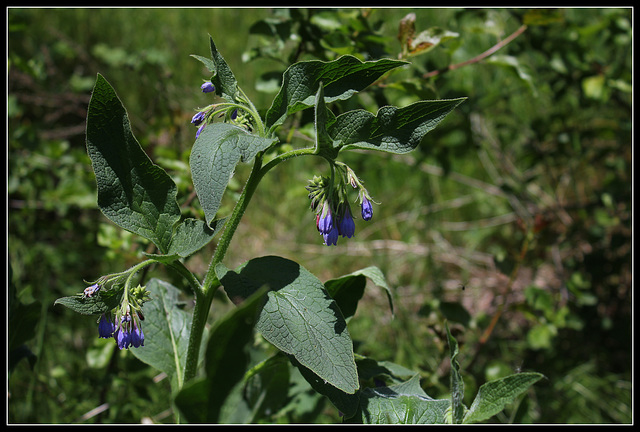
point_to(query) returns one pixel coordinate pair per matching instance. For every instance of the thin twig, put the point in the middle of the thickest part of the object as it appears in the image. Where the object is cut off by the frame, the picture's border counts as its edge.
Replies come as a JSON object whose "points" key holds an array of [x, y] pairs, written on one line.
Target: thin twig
{"points": [[480, 57]]}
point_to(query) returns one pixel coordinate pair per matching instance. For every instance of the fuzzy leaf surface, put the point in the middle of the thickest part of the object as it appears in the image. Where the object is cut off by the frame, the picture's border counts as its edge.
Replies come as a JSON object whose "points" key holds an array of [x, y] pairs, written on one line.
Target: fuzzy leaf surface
{"points": [[404, 403], [494, 395], [341, 78], [214, 156], [99, 303], [392, 129], [299, 317], [133, 193]]}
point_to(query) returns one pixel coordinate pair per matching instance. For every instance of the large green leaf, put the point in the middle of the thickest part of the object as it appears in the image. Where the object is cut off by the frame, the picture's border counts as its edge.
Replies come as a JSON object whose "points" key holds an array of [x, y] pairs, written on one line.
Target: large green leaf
{"points": [[341, 78], [132, 192], [493, 396], [166, 332], [404, 403], [299, 317], [214, 156], [392, 129]]}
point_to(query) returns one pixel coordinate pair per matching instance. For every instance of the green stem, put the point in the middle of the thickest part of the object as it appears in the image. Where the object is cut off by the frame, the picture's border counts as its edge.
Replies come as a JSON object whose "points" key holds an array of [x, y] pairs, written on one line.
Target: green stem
{"points": [[254, 113], [204, 296], [186, 273]]}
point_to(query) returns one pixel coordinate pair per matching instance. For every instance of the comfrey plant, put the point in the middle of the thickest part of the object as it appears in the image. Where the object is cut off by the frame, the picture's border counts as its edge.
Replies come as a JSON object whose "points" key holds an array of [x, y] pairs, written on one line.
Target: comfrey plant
{"points": [[213, 377]]}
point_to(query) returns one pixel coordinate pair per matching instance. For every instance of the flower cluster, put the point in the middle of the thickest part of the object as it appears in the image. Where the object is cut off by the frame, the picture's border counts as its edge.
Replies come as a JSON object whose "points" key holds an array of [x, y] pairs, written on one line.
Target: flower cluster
{"points": [[329, 201], [125, 329], [228, 110], [124, 323]]}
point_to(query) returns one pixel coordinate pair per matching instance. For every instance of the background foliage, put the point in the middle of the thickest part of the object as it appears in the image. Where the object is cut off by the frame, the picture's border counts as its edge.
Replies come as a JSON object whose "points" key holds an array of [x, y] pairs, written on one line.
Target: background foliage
{"points": [[512, 221]]}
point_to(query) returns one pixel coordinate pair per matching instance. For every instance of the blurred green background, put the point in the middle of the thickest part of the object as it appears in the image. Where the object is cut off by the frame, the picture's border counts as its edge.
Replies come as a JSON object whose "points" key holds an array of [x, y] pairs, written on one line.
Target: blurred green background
{"points": [[517, 207]]}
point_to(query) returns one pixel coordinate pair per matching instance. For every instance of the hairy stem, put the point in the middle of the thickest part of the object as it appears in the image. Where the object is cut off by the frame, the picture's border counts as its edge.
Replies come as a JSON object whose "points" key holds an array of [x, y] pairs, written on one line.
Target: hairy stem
{"points": [[204, 297]]}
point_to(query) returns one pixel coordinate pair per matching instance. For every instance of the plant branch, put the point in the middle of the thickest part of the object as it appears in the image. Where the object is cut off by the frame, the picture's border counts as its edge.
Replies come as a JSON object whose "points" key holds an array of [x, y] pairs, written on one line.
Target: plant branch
{"points": [[204, 296], [480, 57]]}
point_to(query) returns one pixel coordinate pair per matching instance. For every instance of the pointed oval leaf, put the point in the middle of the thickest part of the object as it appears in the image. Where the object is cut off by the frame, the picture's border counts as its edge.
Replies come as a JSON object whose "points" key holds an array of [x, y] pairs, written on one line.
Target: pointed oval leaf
{"points": [[494, 395], [215, 154], [392, 129], [223, 78], [299, 317], [133, 193], [104, 301], [342, 78]]}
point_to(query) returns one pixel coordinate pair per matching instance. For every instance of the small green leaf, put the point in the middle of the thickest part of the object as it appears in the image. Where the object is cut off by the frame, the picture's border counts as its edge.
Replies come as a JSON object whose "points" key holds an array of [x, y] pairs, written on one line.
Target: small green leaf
{"points": [[133, 193], [193, 234], [347, 290], [102, 302], [166, 332], [323, 141], [299, 317], [392, 129], [223, 78], [214, 156], [404, 403], [190, 236], [342, 78], [457, 385], [493, 396]]}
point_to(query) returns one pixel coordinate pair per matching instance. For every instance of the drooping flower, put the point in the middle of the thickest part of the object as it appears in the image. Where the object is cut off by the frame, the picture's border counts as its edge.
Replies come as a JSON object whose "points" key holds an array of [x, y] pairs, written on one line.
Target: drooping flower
{"points": [[325, 221], [200, 129], [122, 334], [331, 237], [106, 327], [234, 114], [137, 337], [346, 226], [207, 87], [367, 209], [123, 337]]}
